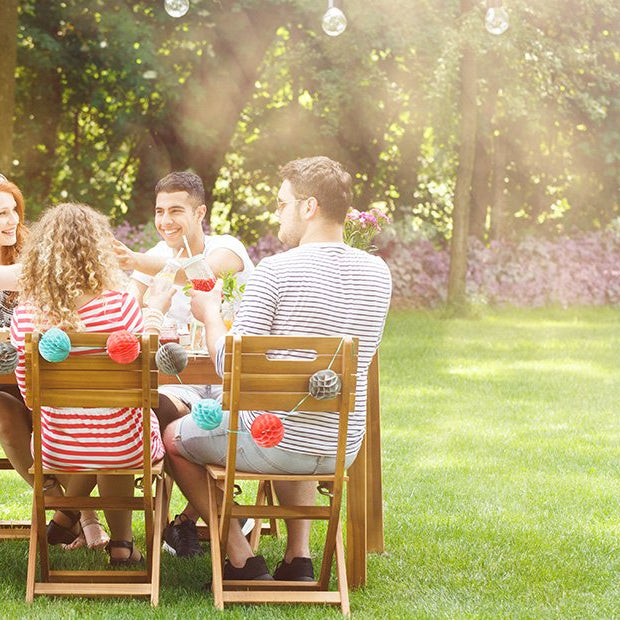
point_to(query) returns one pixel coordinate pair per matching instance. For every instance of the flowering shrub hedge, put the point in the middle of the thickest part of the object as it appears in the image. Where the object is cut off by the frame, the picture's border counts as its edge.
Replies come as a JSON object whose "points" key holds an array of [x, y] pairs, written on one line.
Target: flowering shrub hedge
{"points": [[579, 270]]}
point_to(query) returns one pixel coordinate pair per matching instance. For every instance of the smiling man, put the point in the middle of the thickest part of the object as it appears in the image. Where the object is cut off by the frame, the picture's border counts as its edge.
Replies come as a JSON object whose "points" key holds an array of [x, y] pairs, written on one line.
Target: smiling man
{"points": [[180, 210]]}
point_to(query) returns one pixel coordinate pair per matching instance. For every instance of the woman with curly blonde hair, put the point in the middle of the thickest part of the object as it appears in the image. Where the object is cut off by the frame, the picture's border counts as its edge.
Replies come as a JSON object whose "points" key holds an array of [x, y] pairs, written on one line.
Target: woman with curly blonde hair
{"points": [[70, 279]]}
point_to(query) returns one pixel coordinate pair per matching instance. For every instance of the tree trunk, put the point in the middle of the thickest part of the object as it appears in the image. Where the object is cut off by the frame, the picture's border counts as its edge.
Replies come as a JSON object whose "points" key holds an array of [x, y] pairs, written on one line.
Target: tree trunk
{"points": [[498, 200], [483, 161], [480, 186], [462, 192], [8, 60]]}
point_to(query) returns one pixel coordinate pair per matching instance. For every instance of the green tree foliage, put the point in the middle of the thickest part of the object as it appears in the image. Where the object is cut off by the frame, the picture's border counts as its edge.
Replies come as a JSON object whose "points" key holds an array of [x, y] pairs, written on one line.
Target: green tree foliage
{"points": [[112, 94]]}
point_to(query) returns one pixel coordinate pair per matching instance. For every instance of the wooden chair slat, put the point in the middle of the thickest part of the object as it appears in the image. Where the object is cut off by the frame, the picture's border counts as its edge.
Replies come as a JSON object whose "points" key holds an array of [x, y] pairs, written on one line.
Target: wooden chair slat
{"points": [[265, 382], [321, 344], [76, 379], [284, 401], [260, 364], [94, 398]]}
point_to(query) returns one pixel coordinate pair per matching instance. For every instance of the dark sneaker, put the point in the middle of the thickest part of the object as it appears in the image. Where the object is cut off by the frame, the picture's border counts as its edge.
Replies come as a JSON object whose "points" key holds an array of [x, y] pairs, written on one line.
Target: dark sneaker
{"points": [[181, 539], [300, 569], [255, 568]]}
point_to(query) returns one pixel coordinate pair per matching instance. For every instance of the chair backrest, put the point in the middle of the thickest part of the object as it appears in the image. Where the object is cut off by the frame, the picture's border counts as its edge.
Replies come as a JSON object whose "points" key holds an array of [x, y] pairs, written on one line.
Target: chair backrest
{"points": [[91, 379], [256, 377]]}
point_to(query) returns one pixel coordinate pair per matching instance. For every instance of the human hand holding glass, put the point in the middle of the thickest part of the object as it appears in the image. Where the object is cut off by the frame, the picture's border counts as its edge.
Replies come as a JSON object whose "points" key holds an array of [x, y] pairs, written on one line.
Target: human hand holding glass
{"points": [[159, 294], [199, 273]]}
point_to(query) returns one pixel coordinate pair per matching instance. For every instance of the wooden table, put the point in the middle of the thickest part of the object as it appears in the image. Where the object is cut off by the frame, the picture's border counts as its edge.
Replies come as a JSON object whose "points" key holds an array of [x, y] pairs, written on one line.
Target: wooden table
{"points": [[365, 494]]}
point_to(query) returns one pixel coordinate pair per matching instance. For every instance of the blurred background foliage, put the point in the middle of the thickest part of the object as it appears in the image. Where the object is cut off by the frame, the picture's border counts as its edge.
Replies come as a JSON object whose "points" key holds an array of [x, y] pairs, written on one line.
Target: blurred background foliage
{"points": [[111, 95]]}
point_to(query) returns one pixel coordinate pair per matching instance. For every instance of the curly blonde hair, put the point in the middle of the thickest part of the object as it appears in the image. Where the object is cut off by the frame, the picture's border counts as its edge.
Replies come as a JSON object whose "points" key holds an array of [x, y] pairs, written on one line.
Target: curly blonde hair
{"points": [[68, 254]]}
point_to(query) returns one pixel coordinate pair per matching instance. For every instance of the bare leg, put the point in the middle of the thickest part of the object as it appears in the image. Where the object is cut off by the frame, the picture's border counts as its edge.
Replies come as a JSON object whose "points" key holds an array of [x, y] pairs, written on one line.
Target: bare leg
{"points": [[74, 486], [192, 480], [15, 430], [297, 530], [170, 410], [119, 521]]}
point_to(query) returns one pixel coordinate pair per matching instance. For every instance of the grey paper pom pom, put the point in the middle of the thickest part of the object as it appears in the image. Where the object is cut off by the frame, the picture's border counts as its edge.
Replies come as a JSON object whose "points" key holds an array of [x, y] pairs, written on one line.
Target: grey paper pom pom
{"points": [[324, 384], [171, 358], [8, 358]]}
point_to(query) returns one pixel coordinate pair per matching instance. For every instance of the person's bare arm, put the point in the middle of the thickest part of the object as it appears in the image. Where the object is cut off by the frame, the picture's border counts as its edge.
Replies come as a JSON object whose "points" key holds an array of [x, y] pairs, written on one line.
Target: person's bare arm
{"points": [[9, 277], [137, 290], [206, 309], [130, 260], [221, 261]]}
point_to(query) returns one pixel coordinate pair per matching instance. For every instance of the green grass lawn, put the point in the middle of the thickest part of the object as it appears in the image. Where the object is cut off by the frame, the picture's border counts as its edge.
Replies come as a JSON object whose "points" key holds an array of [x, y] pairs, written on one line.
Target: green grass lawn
{"points": [[501, 469]]}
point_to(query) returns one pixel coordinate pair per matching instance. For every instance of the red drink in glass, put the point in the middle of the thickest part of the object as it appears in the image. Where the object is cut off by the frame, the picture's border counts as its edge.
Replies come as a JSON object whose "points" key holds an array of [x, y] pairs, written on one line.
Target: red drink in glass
{"points": [[203, 284]]}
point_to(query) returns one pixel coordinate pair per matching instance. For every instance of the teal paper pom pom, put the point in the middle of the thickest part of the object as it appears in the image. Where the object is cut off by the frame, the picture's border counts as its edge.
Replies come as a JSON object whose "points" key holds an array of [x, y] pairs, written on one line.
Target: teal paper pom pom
{"points": [[207, 413], [54, 345]]}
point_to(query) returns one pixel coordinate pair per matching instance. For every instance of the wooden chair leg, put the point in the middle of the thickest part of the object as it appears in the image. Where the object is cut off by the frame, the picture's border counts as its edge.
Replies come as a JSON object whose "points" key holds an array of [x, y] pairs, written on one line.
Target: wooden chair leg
{"points": [[44, 558], [274, 526], [341, 573], [216, 551], [328, 551], [161, 507], [264, 497], [32, 557]]}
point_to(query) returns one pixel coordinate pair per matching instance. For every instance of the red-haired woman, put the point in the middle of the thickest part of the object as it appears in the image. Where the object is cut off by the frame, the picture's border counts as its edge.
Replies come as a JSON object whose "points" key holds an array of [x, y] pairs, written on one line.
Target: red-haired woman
{"points": [[12, 235], [15, 418]]}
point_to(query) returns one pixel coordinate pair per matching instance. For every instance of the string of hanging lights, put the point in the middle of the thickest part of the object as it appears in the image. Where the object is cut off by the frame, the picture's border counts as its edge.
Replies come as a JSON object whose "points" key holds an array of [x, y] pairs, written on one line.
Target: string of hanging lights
{"points": [[334, 21]]}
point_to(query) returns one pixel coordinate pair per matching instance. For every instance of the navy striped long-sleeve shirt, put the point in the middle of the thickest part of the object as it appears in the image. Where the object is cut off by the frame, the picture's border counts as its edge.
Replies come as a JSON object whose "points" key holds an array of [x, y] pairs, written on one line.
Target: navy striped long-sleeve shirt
{"points": [[321, 289]]}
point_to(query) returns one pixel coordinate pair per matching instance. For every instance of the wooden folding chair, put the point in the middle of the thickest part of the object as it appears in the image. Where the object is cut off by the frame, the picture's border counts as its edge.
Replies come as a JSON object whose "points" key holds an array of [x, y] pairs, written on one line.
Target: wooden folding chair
{"points": [[95, 380], [253, 379]]}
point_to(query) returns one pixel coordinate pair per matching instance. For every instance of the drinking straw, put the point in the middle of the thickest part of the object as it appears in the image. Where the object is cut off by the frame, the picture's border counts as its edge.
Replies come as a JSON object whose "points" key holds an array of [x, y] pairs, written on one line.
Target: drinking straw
{"points": [[189, 252], [179, 253]]}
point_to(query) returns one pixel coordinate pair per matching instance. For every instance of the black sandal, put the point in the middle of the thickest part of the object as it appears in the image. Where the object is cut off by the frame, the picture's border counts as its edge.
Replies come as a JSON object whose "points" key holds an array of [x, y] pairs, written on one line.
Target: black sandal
{"points": [[124, 544], [59, 534]]}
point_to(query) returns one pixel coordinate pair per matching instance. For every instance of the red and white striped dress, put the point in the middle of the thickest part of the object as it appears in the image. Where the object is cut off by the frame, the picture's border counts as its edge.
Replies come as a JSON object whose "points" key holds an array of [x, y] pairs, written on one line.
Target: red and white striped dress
{"points": [[94, 438]]}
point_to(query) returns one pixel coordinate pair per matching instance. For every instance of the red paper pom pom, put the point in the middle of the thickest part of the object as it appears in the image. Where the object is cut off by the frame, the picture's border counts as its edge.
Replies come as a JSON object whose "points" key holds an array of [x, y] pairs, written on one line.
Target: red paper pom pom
{"points": [[267, 430], [123, 347]]}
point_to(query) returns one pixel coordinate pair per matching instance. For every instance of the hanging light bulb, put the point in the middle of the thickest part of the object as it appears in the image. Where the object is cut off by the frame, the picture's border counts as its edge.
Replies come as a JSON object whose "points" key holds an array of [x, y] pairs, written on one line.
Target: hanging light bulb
{"points": [[176, 8], [496, 20], [334, 21]]}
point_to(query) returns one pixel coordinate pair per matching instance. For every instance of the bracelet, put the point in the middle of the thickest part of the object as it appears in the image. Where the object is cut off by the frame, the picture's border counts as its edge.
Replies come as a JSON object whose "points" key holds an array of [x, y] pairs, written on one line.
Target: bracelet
{"points": [[152, 327], [152, 320], [152, 313]]}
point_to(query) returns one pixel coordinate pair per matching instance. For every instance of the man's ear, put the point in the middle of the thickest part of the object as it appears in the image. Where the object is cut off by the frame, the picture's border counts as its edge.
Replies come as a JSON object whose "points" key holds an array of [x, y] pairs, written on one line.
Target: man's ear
{"points": [[311, 207], [201, 211]]}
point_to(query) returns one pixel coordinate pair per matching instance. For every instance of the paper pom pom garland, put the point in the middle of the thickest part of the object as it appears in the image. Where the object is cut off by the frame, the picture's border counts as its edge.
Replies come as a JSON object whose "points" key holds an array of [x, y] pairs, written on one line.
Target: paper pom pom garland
{"points": [[123, 347], [207, 413], [8, 358], [324, 384], [171, 358], [54, 345], [267, 430]]}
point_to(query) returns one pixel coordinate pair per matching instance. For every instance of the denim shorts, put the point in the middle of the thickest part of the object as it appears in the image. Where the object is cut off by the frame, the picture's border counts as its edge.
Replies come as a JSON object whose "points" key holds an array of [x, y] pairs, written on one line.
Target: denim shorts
{"points": [[201, 447]]}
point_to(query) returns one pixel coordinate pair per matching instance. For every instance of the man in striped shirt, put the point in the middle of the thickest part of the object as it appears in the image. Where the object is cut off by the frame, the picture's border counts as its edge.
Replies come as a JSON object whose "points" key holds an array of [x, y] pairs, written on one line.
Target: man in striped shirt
{"points": [[320, 287]]}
